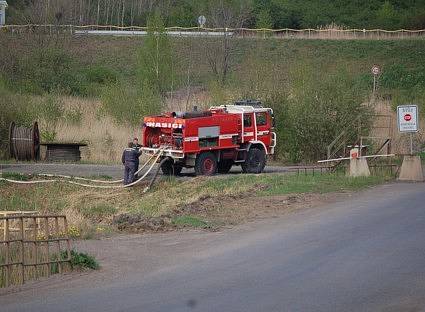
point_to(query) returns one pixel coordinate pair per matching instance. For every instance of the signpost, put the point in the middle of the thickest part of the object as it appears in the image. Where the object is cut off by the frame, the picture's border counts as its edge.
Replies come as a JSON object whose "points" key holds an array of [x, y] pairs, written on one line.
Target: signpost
{"points": [[201, 21], [376, 70], [408, 121]]}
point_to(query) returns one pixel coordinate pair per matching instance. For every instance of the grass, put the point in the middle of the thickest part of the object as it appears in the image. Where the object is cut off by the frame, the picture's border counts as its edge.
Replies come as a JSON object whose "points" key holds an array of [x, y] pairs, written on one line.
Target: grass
{"points": [[15, 176], [190, 221], [91, 211]]}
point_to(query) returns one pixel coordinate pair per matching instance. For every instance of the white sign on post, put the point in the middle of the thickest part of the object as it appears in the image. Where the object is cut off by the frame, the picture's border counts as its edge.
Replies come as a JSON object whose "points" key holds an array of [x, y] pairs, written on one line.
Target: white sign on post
{"points": [[407, 118]]}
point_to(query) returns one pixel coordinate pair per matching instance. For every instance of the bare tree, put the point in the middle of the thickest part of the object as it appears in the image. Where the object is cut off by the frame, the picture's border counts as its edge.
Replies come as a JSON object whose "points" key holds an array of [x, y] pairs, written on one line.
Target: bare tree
{"points": [[218, 50]]}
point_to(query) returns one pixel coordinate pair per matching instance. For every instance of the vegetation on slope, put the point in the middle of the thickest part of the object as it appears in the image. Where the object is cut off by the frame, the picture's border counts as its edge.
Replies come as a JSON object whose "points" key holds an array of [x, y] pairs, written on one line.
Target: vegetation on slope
{"points": [[198, 202], [387, 14]]}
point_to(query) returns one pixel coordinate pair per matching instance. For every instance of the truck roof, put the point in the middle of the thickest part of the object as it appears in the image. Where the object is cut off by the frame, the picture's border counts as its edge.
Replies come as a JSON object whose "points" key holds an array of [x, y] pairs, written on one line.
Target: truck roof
{"points": [[237, 109]]}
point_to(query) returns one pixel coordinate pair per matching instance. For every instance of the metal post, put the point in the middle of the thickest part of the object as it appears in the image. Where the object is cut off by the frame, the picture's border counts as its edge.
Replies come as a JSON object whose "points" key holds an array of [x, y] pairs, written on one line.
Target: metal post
{"points": [[411, 144]]}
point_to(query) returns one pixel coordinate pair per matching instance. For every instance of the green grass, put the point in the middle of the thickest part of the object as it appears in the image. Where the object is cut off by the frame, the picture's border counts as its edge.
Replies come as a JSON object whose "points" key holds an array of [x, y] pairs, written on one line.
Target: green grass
{"points": [[422, 155], [90, 208], [190, 221], [15, 176]]}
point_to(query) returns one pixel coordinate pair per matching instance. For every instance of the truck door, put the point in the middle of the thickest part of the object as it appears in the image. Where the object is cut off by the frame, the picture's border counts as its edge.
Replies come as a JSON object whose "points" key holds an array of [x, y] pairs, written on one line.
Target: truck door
{"points": [[263, 120], [248, 127]]}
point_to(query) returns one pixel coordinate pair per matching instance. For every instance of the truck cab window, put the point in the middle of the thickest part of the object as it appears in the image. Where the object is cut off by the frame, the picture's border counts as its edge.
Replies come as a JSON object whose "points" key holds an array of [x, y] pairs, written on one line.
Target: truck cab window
{"points": [[247, 120], [261, 119]]}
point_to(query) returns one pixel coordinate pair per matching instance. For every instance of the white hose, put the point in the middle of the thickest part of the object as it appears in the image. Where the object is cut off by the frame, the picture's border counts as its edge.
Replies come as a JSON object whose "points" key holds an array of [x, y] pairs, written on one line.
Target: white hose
{"points": [[27, 182], [91, 180], [93, 186], [118, 186]]}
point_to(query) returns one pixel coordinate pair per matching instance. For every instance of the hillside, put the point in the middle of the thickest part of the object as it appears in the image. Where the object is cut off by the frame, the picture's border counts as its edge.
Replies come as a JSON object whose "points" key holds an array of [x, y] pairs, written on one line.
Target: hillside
{"points": [[116, 77]]}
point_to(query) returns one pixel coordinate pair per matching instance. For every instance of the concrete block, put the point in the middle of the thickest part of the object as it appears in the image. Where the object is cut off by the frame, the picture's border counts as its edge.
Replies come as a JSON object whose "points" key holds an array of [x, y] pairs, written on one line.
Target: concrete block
{"points": [[358, 168], [411, 169]]}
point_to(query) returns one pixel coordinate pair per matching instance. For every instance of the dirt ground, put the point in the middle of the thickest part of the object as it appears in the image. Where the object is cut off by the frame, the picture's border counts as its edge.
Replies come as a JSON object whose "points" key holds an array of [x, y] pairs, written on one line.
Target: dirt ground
{"points": [[226, 211]]}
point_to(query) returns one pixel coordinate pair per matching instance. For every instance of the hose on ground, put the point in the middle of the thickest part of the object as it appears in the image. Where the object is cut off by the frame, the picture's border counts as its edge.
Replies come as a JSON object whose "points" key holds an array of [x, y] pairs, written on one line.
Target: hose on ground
{"points": [[92, 180], [160, 152]]}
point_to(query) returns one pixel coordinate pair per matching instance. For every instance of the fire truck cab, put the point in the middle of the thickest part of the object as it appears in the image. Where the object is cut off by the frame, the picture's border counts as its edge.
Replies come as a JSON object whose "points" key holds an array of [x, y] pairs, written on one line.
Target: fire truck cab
{"points": [[212, 141]]}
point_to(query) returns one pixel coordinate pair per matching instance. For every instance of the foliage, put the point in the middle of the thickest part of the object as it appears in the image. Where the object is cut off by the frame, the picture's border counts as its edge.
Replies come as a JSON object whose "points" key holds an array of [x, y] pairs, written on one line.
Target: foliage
{"points": [[283, 13], [129, 105], [81, 260], [264, 20], [14, 176], [190, 221], [155, 58], [316, 111]]}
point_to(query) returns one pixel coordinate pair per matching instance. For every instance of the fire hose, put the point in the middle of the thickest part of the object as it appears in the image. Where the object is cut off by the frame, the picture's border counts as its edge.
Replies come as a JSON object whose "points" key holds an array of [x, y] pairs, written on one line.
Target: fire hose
{"points": [[68, 179]]}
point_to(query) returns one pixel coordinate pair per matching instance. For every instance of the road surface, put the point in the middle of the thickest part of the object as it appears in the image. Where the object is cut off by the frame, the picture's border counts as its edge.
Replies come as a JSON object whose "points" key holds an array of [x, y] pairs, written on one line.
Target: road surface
{"points": [[364, 253], [91, 170]]}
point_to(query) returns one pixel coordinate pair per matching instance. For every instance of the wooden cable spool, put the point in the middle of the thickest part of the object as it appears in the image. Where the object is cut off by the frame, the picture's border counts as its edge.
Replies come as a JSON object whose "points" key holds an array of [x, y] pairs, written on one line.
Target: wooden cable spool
{"points": [[24, 143]]}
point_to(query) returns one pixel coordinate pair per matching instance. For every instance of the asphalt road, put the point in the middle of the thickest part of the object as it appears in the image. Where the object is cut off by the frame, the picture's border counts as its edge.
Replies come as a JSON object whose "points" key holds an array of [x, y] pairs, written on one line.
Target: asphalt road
{"points": [[89, 170], [366, 253]]}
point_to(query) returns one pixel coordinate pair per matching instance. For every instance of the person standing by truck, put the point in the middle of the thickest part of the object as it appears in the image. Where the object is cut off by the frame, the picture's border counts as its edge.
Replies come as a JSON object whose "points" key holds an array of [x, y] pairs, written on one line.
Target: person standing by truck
{"points": [[130, 159], [137, 147]]}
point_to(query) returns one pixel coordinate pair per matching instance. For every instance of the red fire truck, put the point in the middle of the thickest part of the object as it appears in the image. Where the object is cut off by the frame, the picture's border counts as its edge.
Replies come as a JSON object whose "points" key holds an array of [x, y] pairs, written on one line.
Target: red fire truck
{"points": [[214, 140]]}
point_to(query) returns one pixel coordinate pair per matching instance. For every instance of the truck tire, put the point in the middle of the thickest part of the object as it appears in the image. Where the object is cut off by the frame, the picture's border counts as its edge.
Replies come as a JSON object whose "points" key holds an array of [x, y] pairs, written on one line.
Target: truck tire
{"points": [[255, 161], [224, 166], [169, 168], [206, 164]]}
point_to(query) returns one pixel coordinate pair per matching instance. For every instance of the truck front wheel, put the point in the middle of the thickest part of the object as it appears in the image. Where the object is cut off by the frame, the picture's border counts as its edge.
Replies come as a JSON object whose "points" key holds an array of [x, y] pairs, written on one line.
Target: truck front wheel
{"points": [[170, 168], [255, 161], [206, 164]]}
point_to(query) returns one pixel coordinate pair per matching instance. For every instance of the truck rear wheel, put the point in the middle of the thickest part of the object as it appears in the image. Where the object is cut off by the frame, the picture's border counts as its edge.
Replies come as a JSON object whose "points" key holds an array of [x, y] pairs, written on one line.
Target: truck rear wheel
{"points": [[170, 168], [206, 164], [255, 161], [224, 166]]}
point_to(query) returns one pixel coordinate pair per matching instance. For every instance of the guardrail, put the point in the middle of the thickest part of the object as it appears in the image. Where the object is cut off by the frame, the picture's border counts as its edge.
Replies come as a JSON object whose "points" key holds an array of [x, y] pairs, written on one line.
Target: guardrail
{"points": [[331, 33], [31, 246]]}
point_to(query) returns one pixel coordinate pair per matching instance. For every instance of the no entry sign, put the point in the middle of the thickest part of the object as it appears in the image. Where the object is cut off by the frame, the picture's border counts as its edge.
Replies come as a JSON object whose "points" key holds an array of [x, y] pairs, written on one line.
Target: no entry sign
{"points": [[407, 116]]}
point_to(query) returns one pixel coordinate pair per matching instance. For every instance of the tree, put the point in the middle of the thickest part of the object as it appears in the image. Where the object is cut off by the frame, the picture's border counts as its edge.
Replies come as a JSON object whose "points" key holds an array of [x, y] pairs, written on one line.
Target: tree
{"points": [[387, 16], [155, 56], [264, 20]]}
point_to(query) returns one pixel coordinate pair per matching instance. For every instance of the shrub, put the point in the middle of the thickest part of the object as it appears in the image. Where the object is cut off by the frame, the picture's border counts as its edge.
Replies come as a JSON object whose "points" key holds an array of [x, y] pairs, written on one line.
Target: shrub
{"points": [[101, 75], [128, 106], [81, 260], [315, 110]]}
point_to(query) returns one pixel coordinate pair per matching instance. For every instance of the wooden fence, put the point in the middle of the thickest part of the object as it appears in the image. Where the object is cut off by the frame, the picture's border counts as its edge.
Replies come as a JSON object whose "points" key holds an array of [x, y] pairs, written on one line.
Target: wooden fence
{"points": [[325, 33], [32, 246]]}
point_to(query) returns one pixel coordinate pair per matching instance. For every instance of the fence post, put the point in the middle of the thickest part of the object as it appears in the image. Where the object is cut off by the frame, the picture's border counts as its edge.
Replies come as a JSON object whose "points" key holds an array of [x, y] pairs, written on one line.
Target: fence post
{"points": [[68, 244], [22, 230], [46, 233], [35, 235], [58, 258], [7, 255]]}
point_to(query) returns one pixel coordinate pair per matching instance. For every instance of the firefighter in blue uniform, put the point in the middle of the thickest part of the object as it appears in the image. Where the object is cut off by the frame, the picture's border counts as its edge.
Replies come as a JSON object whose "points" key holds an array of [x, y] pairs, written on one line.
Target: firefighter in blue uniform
{"points": [[137, 147], [130, 159]]}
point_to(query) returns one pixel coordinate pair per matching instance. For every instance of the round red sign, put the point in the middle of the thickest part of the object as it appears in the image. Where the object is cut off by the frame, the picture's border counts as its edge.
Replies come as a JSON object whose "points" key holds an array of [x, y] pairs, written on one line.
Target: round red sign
{"points": [[408, 117]]}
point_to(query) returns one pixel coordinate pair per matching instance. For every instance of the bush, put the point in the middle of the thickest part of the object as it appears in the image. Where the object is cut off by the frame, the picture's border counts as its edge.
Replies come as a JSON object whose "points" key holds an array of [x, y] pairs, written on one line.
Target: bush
{"points": [[129, 106], [314, 112], [50, 69], [101, 75], [81, 260]]}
